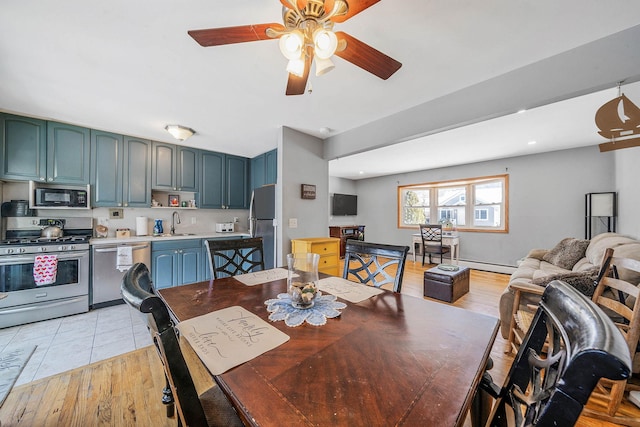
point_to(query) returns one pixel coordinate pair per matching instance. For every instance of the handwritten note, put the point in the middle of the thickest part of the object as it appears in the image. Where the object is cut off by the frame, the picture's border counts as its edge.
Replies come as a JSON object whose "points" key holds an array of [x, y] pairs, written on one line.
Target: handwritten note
{"points": [[258, 277], [348, 290], [229, 337]]}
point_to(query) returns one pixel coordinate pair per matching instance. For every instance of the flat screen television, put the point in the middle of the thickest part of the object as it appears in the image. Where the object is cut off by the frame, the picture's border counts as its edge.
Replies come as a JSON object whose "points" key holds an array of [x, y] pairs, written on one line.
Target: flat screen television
{"points": [[344, 204]]}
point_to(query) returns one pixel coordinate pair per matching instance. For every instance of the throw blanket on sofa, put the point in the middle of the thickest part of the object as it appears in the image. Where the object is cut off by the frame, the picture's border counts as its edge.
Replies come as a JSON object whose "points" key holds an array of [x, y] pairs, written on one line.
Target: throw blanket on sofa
{"points": [[582, 281]]}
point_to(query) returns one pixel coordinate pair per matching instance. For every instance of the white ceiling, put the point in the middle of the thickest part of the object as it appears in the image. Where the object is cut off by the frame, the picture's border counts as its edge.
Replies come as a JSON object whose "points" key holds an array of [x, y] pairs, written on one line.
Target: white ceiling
{"points": [[130, 67]]}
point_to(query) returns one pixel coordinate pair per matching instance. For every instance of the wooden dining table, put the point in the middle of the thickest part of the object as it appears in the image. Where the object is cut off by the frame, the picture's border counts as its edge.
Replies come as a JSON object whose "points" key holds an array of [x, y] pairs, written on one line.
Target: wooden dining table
{"points": [[391, 359]]}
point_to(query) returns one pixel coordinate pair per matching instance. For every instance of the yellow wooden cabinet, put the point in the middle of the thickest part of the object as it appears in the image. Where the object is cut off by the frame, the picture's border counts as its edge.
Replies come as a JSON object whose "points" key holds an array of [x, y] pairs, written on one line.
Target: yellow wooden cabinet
{"points": [[327, 247]]}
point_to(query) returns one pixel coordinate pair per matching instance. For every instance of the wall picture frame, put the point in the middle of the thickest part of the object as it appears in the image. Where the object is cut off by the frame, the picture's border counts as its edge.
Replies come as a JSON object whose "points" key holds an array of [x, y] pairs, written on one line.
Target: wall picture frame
{"points": [[308, 191], [174, 200]]}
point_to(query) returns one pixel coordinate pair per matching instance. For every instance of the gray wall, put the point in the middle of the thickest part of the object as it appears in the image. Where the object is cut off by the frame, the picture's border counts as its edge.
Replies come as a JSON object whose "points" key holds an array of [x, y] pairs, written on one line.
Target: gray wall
{"points": [[627, 177], [302, 155], [546, 201]]}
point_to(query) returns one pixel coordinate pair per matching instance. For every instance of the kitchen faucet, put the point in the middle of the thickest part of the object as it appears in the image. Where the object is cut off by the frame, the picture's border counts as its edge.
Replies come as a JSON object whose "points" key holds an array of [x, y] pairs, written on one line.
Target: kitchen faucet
{"points": [[174, 222]]}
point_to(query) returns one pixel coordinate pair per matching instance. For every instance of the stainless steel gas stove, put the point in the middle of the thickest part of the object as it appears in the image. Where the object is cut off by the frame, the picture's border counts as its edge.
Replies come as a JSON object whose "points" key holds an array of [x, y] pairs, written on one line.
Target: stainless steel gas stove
{"points": [[24, 299]]}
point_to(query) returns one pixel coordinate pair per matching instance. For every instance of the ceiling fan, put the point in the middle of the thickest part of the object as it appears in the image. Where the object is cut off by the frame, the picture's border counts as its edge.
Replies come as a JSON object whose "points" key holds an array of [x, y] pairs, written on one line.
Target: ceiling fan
{"points": [[307, 35]]}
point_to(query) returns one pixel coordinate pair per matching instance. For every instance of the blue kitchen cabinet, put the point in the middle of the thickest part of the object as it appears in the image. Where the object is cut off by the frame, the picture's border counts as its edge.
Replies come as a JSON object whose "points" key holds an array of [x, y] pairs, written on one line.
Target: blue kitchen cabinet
{"points": [[175, 168], [264, 169], [24, 147], [176, 262], [271, 167], [236, 185], [120, 171], [136, 172], [212, 184], [42, 151], [224, 182], [68, 154]]}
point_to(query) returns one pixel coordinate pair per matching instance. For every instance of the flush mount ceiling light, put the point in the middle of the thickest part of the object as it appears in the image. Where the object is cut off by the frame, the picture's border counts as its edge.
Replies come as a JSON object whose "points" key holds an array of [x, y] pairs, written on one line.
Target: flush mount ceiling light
{"points": [[179, 132], [307, 36]]}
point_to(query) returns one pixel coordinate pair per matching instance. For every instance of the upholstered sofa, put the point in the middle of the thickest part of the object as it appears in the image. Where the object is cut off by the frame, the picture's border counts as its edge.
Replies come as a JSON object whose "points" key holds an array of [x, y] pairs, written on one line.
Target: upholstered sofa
{"points": [[574, 261]]}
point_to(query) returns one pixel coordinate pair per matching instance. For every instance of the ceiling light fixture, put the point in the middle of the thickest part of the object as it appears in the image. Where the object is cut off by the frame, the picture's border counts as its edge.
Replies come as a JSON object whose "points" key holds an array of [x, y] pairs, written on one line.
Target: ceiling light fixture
{"points": [[179, 132], [309, 32]]}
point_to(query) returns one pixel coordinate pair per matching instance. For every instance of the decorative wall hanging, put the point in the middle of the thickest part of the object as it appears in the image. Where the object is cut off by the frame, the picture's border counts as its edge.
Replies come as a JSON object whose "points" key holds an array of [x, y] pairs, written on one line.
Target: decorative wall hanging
{"points": [[308, 191], [619, 121]]}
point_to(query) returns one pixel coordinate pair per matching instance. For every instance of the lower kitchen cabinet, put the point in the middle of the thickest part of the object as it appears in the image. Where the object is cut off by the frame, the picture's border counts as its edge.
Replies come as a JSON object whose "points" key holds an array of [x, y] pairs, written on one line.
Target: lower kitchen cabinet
{"points": [[177, 262]]}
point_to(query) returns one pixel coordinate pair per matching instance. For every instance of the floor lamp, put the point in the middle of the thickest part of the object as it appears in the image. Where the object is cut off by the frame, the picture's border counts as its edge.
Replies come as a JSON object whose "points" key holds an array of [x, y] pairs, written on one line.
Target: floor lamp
{"points": [[600, 208]]}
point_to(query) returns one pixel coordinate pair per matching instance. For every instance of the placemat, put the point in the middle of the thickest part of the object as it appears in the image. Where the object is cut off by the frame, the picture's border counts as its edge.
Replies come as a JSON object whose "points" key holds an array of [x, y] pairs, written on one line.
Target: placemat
{"points": [[229, 337], [12, 362], [258, 277], [348, 290]]}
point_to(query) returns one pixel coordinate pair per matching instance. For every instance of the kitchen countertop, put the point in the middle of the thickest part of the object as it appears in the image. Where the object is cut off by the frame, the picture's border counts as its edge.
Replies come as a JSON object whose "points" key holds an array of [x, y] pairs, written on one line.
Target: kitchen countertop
{"points": [[97, 241]]}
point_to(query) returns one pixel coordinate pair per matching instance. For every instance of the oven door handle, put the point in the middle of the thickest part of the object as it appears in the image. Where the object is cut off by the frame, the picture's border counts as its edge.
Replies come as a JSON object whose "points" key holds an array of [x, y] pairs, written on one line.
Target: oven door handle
{"points": [[11, 260], [133, 248]]}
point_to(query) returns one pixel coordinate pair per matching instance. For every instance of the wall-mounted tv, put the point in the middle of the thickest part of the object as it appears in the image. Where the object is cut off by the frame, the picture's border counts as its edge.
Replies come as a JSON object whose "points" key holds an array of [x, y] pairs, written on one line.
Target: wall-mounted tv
{"points": [[344, 204]]}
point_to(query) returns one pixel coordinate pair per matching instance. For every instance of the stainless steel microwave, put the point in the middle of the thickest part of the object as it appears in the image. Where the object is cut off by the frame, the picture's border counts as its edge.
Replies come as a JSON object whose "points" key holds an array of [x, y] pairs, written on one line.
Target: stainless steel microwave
{"points": [[61, 197]]}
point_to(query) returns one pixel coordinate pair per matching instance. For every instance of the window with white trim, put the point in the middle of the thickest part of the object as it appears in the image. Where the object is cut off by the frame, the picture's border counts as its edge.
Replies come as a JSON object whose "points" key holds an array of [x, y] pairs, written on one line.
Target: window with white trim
{"points": [[474, 204]]}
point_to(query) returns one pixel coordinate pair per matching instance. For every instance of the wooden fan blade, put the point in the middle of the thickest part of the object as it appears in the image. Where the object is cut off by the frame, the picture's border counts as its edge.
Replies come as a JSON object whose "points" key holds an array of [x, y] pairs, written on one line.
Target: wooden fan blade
{"points": [[230, 35], [355, 7], [296, 85], [366, 57], [300, 3]]}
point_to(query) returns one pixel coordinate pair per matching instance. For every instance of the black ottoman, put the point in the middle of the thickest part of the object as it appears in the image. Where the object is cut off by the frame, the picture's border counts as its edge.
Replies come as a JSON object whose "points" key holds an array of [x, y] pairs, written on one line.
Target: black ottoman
{"points": [[446, 285]]}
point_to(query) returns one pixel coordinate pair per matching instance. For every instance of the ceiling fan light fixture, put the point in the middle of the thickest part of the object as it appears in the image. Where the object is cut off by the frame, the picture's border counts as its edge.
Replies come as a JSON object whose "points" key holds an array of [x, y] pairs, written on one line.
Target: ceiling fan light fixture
{"points": [[325, 43], [323, 65], [291, 44], [179, 132], [296, 67]]}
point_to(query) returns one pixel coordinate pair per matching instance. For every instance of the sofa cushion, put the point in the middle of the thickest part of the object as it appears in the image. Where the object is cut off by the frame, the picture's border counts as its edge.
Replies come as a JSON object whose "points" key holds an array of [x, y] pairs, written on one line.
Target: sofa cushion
{"points": [[567, 252], [583, 281]]}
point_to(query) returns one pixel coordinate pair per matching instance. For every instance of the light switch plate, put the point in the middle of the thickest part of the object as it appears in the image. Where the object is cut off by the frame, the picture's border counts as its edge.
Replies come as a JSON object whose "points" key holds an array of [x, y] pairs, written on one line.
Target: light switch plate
{"points": [[116, 213], [293, 222]]}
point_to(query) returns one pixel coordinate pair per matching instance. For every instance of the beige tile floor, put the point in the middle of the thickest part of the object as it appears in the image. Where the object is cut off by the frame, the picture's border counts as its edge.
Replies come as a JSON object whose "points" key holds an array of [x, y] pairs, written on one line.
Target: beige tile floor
{"points": [[70, 342]]}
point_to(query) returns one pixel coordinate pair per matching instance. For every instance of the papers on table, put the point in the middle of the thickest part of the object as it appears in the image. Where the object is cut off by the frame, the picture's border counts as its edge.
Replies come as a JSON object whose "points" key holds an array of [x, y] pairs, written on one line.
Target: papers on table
{"points": [[258, 277], [229, 337], [345, 289]]}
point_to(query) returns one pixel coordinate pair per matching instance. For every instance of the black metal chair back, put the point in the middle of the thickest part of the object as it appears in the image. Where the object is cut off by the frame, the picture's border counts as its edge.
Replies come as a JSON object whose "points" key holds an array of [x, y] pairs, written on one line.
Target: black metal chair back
{"points": [[548, 386], [230, 257], [432, 241], [375, 263], [137, 291]]}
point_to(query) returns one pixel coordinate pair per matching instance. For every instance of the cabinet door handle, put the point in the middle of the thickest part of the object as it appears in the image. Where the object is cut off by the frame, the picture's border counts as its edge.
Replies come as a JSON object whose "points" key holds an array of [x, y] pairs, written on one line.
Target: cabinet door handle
{"points": [[50, 179]]}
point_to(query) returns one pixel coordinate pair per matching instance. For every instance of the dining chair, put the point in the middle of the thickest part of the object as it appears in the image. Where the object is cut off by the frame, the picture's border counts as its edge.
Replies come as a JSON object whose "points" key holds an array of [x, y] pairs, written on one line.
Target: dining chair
{"points": [[208, 408], [375, 264], [621, 301], [432, 241], [550, 387], [229, 257]]}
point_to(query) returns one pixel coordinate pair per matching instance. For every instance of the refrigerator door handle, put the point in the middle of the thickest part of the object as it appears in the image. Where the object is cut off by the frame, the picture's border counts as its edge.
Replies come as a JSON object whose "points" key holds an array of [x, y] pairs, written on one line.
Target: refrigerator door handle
{"points": [[252, 226]]}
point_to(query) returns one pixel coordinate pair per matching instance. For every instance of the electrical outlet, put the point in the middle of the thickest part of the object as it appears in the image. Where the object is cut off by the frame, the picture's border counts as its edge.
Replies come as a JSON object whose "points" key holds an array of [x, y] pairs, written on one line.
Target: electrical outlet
{"points": [[193, 220], [235, 219], [293, 222], [116, 213]]}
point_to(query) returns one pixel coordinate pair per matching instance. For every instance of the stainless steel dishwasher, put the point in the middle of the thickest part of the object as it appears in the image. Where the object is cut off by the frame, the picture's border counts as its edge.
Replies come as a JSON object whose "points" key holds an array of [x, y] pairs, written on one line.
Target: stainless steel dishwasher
{"points": [[105, 277]]}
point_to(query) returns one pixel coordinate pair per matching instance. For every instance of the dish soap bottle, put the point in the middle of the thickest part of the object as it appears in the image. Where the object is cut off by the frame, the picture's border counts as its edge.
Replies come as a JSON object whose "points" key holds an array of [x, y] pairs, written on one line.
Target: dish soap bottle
{"points": [[157, 228]]}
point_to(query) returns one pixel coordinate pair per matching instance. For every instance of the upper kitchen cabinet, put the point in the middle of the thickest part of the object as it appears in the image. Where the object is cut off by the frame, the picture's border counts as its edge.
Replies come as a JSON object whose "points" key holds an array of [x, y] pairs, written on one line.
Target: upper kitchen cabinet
{"points": [[264, 169], [68, 154], [236, 185], [175, 168], [120, 170], [44, 151], [224, 182], [136, 172], [24, 147]]}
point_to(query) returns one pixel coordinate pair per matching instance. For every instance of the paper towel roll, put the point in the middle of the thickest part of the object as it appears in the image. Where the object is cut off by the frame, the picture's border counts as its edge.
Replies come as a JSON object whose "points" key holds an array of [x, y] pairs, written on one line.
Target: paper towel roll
{"points": [[141, 226]]}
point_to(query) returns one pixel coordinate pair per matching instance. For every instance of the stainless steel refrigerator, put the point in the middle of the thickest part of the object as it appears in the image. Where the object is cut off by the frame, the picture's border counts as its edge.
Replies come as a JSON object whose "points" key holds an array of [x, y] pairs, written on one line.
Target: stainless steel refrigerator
{"points": [[262, 221]]}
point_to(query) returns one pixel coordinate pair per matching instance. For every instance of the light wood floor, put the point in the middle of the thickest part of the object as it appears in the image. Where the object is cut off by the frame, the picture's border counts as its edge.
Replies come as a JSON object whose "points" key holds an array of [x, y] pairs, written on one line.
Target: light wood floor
{"points": [[126, 390]]}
